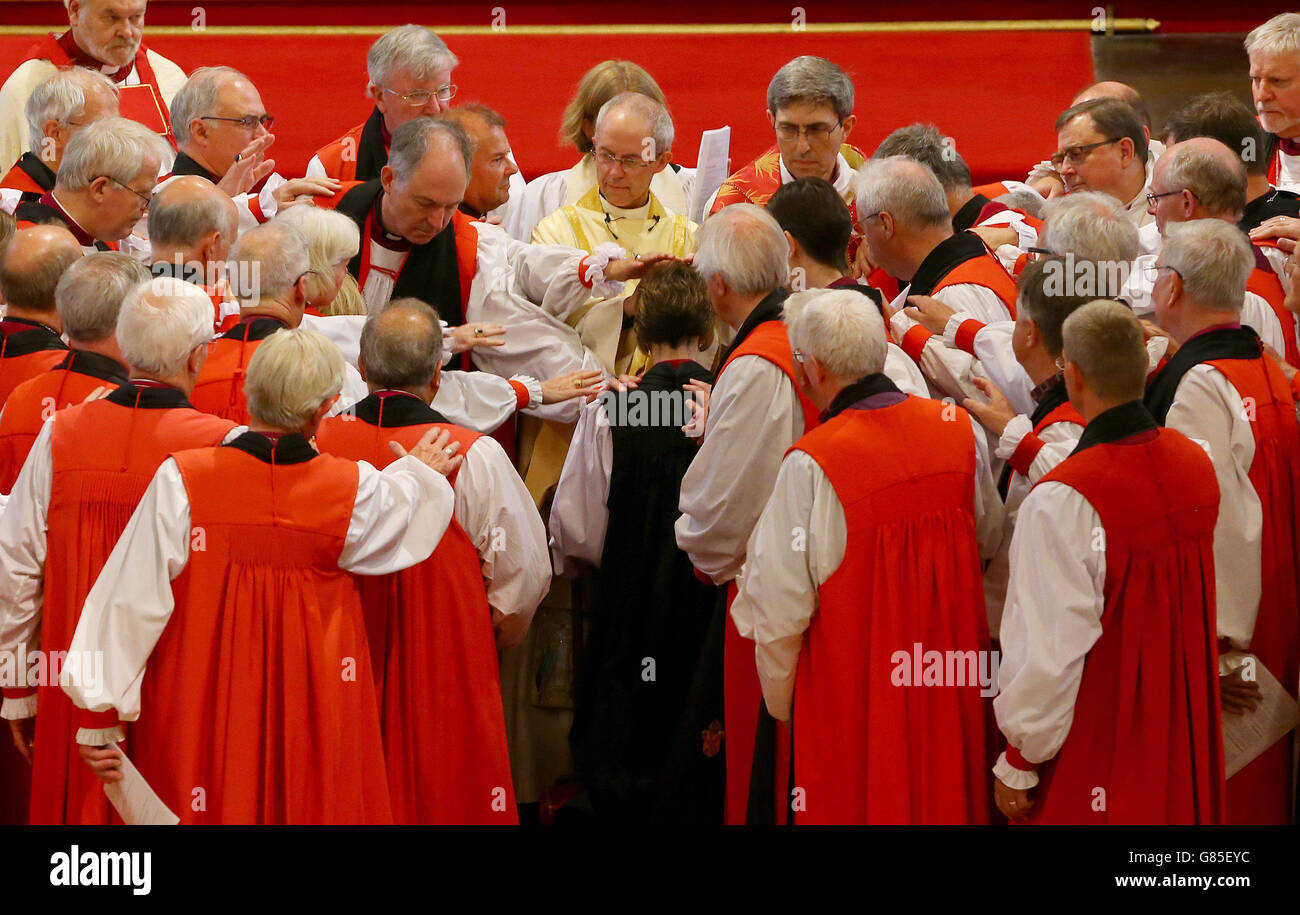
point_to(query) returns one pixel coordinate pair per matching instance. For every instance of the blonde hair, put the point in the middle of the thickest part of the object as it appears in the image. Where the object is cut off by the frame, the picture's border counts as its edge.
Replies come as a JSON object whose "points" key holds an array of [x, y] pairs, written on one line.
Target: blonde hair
{"points": [[331, 237], [290, 375], [600, 84]]}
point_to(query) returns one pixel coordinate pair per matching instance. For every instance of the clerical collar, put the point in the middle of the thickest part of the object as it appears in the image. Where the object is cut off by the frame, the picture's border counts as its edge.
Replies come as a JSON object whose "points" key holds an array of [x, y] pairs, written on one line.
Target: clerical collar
{"points": [[380, 235], [1118, 424], [83, 237], [186, 164], [390, 409], [868, 393], [841, 175], [82, 58], [968, 215], [275, 447], [617, 212], [1288, 146]]}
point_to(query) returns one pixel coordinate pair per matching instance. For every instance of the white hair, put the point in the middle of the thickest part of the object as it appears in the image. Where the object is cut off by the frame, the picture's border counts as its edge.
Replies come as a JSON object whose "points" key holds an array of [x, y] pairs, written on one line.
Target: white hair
{"points": [[199, 94], [290, 375], [268, 260], [655, 114], [60, 97], [113, 147], [410, 49], [90, 293], [1280, 35], [744, 245], [840, 328], [331, 237], [160, 323], [1214, 259], [1090, 225], [903, 188]]}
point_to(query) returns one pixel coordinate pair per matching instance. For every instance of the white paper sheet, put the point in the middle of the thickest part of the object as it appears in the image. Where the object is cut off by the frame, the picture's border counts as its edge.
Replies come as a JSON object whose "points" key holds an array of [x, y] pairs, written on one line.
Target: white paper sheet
{"points": [[899, 301], [133, 799], [1247, 735], [710, 169]]}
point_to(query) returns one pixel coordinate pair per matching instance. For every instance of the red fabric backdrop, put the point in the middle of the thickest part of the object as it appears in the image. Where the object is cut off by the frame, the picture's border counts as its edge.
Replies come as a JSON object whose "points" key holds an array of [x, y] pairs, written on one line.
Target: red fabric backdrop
{"points": [[998, 107]]}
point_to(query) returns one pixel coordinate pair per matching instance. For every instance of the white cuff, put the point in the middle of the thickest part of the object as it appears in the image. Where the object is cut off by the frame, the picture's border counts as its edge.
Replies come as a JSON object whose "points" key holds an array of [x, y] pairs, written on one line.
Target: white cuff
{"points": [[1043, 169], [23, 707], [950, 329], [1012, 777], [1016, 429], [593, 266], [534, 390], [448, 344], [98, 737]]}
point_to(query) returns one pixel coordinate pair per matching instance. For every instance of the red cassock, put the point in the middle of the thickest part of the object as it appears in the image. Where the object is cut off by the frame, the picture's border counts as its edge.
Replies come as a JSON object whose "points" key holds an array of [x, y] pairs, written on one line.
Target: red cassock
{"points": [[1260, 793], [258, 702], [865, 749], [742, 693], [220, 386], [26, 350], [34, 401], [1146, 725], [104, 453], [433, 648]]}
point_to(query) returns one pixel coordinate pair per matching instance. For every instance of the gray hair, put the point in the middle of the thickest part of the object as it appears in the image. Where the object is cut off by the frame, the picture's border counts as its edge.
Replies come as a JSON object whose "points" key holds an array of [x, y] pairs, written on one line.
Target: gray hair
{"points": [[840, 328], [814, 80], [113, 147], [396, 355], [185, 222], [1090, 225], [655, 114], [745, 246], [1214, 259], [199, 94], [903, 188], [1281, 34], [1220, 189], [90, 294], [270, 258], [414, 139], [1026, 201], [331, 237], [160, 323], [60, 97], [409, 49], [926, 144], [290, 375]]}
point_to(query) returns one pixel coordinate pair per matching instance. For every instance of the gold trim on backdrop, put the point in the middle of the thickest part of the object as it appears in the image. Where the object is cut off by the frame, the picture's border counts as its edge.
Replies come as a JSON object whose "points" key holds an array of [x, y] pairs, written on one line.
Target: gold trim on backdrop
{"points": [[757, 28]]}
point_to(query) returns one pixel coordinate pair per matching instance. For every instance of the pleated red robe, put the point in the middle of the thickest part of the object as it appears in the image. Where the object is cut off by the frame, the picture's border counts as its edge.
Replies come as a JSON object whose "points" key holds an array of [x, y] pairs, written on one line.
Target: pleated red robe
{"points": [[258, 702], [432, 646], [104, 454], [1146, 728], [867, 749]]}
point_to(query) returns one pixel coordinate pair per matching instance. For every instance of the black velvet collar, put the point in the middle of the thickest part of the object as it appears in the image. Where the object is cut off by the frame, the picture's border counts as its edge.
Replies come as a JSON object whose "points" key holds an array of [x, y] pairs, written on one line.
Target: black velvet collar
{"points": [[965, 218], [184, 165], [38, 171], [1228, 343], [853, 395], [769, 309], [20, 337], [148, 397], [1117, 423], [95, 365], [670, 376], [946, 257], [1276, 202], [290, 449], [391, 409], [372, 151], [259, 327]]}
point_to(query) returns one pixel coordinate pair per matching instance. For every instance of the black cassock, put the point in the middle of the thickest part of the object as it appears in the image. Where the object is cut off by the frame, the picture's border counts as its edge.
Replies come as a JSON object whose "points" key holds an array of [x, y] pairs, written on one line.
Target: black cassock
{"points": [[646, 726]]}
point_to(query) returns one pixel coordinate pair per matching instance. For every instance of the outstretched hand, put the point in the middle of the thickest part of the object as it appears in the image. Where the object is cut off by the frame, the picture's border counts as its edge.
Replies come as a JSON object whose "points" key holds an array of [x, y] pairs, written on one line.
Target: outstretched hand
{"points": [[432, 449]]}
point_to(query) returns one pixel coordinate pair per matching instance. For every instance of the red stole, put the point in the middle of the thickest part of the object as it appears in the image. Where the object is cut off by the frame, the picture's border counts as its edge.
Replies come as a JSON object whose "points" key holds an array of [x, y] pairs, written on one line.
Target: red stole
{"points": [[143, 103], [986, 271], [435, 662], [867, 749], [1146, 724], [1259, 794], [104, 454]]}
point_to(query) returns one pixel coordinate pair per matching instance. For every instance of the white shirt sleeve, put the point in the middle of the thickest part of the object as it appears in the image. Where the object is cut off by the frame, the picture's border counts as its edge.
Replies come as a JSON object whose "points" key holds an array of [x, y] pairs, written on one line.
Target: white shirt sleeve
{"points": [[1258, 314], [903, 372], [131, 601], [400, 514], [579, 511], [539, 198], [1208, 408], [726, 486], [23, 549], [476, 400], [989, 513], [1059, 439], [948, 370], [797, 544], [1055, 600], [992, 346], [498, 515]]}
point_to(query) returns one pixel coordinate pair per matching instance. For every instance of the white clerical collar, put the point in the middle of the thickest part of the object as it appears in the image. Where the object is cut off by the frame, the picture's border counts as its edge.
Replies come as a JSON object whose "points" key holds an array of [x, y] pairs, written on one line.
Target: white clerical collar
{"points": [[843, 174], [641, 212]]}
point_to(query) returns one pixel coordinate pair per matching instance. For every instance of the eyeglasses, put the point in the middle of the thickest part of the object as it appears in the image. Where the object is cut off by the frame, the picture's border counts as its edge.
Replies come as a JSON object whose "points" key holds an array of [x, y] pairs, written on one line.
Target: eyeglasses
{"points": [[1076, 154], [1060, 363], [1152, 198], [816, 133], [629, 162], [248, 121], [420, 97], [1153, 271], [800, 356], [143, 198]]}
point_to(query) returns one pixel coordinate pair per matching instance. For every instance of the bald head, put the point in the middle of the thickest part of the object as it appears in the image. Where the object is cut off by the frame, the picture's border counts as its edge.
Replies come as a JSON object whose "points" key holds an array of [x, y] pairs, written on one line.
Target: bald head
{"points": [[1116, 90], [401, 346], [191, 217], [30, 269], [1213, 175]]}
